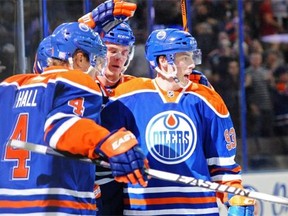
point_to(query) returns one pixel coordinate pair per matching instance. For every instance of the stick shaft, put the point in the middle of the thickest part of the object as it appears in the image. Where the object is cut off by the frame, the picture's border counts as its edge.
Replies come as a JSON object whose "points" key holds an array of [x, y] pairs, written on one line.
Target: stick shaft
{"points": [[184, 15], [167, 176]]}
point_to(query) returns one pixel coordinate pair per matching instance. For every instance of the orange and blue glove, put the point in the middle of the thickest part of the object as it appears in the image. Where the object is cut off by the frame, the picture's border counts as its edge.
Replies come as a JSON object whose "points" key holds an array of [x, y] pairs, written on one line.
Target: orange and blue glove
{"points": [[198, 77], [126, 159], [240, 206], [108, 14]]}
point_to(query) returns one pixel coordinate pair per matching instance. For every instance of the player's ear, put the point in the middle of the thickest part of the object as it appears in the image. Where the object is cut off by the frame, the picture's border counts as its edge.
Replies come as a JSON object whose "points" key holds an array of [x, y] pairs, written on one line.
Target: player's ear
{"points": [[162, 61]]}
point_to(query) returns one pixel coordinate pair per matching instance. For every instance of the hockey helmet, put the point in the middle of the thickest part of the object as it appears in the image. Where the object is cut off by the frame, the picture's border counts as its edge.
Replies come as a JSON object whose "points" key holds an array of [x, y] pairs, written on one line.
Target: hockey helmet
{"points": [[59, 27], [121, 34], [44, 51], [167, 42], [78, 36]]}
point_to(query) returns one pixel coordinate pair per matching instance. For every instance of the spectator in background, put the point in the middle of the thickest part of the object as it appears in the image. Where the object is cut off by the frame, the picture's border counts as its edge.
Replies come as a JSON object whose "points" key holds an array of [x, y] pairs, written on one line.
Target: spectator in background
{"points": [[218, 58], [272, 60], [258, 98], [280, 9], [268, 23], [255, 46], [250, 9], [206, 38], [280, 100], [229, 89]]}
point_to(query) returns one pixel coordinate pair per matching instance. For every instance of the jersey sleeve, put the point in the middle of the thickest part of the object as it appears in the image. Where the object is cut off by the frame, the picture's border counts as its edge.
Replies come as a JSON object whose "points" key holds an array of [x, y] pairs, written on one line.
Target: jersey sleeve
{"points": [[71, 123], [220, 142]]}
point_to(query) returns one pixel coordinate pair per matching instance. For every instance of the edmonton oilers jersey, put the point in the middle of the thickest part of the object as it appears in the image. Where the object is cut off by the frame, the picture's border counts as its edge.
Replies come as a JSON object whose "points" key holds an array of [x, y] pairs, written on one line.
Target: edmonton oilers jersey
{"points": [[37, 184], [188, 132]]}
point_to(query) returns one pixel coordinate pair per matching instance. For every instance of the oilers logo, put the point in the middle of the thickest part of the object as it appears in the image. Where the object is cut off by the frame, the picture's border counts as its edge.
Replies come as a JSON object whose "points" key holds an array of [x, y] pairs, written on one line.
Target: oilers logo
{"points": [[171, 137]]}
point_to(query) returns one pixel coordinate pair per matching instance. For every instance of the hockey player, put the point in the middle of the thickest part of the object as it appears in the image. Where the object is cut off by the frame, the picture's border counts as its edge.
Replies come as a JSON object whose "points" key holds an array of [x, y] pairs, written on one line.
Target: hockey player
{"points": [[120, 42], [59, 108], [182, 127], [120, 49]]}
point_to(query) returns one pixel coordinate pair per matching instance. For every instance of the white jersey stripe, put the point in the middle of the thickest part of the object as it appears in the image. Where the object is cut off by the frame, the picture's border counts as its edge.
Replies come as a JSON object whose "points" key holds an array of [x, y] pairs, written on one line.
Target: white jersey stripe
{"points": [[173, 212], [45, 191], [165, 190], [221, 161], [61, 130]]}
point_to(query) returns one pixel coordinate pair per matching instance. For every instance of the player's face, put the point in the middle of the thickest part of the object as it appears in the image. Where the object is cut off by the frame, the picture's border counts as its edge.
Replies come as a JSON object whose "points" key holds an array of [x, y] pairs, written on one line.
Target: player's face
{"points": [[185, 64], [117, 55]]}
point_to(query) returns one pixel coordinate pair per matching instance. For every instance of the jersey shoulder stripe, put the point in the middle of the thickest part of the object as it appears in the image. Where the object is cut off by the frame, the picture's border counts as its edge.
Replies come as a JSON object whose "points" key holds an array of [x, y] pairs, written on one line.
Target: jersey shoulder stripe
{"points": [[133, 85], [73, 77], [126, 78], [210, 96]]}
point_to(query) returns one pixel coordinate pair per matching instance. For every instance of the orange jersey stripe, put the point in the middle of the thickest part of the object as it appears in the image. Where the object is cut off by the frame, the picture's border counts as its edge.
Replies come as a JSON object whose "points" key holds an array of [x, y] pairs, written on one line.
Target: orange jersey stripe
{"points": [[55, 72], [211, 96], [235, 170], [47, 203], [134, 85], [161, 201], [142, 84]]}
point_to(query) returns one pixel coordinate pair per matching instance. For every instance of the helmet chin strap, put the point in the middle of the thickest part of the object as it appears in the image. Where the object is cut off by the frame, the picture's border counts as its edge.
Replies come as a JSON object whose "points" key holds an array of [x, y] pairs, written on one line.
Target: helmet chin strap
{"points": [[172, 73], [70, 61], [93, 72], [130, 57]]}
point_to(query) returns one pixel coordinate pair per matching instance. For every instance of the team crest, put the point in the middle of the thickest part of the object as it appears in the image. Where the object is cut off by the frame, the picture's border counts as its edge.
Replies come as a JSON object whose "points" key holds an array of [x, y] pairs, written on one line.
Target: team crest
{"points": [[171, 137]]}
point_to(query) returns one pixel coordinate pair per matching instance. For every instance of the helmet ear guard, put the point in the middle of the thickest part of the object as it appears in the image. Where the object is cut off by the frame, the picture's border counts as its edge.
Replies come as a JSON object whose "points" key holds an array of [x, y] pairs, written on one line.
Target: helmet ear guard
{"points": [[130, 57]]}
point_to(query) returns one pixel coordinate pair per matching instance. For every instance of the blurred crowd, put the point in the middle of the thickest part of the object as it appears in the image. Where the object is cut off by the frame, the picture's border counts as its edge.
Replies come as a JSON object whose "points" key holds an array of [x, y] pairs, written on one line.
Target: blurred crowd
{"points": [[215, 27]]}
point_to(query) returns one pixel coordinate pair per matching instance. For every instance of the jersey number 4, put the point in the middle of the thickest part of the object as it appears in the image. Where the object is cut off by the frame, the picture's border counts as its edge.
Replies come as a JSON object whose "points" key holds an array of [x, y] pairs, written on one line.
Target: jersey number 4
{"points": [[20, 170]]}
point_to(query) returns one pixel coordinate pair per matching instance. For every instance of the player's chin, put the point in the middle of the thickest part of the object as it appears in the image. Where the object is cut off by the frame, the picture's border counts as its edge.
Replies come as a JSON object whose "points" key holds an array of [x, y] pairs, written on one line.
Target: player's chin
{"points": [[116, 69]]}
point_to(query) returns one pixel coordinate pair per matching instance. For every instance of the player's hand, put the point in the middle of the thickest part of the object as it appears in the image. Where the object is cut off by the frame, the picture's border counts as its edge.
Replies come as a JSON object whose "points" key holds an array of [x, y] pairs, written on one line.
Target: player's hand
{"points": [[108, 14], [125, 157], [241, 206]]}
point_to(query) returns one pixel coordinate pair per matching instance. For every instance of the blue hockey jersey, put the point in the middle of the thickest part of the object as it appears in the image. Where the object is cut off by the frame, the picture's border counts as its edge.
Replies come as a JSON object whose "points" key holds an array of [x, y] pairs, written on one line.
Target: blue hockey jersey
{"points": [[188, 132], [57, 108]]}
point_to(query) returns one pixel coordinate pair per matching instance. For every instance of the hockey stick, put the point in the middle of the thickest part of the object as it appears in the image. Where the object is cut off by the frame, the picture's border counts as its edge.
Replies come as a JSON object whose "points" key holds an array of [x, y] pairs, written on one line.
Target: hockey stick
{"points": [[167, 176], [184, 15]]}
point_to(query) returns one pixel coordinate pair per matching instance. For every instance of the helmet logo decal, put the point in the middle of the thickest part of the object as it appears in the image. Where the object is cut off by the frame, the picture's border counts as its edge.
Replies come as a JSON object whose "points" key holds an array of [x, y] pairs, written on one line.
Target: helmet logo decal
{"points": [[171, 137], [161, 35], [83, 27], [123, 25]]}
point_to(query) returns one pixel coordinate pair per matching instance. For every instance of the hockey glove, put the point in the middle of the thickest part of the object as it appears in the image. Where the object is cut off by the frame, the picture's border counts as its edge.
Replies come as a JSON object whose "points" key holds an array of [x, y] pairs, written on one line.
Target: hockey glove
{"points": [[108, 14], [198, 77], [126, 159], [240, 206]]}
